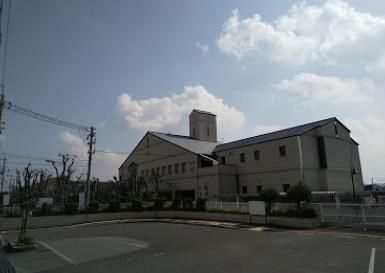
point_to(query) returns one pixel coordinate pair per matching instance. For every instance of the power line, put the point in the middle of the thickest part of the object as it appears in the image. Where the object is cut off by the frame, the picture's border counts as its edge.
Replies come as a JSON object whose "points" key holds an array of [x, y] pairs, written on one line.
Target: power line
{"points": [[110, 152], [29, 113]]}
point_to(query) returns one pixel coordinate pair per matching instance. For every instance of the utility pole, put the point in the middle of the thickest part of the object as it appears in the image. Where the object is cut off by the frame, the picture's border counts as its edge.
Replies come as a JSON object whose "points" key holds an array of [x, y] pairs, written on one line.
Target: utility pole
{"points": [[2, 175], [91, 151], [2, 104]]}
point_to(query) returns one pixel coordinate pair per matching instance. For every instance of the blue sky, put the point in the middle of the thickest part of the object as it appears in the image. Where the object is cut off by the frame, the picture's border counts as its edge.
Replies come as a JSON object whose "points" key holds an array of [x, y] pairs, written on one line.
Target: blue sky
{"points": [[124, 66]]}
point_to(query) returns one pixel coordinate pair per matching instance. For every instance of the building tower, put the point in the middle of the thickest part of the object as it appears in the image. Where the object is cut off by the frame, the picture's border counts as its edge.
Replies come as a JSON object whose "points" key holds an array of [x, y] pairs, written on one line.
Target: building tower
{"points": [[203, 125]]}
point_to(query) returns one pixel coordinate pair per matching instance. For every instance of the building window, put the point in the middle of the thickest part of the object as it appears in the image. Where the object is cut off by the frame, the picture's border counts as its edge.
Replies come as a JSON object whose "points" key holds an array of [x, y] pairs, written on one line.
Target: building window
{"points": [[242, 157], [282, 151], [152, 171], [285, 187], [176, 168], [164, 170], [169, 169], [158, 171], [191, 166], [184, 167], [208, 131], [257, 156], [142, 173], [244, 189], [147, 172], [259, 188], [223, 160]]}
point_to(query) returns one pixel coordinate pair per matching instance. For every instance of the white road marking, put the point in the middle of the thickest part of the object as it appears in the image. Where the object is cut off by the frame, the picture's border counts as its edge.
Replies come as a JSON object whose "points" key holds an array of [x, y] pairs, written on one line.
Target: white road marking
{"points": [[2, 240], [371, 262], [61, 255]]}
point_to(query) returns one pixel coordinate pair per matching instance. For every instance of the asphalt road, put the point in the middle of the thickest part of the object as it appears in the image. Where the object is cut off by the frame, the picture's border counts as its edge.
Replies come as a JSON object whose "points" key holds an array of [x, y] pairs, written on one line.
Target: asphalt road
{"points": [[165, 247]]}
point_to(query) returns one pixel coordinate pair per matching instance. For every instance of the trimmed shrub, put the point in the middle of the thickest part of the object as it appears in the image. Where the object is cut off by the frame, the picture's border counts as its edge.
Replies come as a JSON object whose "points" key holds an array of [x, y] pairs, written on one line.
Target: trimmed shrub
{"points": [[188, 204], [137, 205], [269, 195], [307, 213], [176, 203], [159, 203], [93, 207], [71, 208], [301, 213], [113, 206], [299, 193], [201, 204], [25, 240]]}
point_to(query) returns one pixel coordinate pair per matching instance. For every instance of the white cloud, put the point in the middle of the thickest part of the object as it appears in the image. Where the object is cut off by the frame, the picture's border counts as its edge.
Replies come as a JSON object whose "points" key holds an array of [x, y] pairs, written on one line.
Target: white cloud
{"points": [[313, 88], [264, 129], [333, 33], [369, 132], [203, 47], [105, 165], [170, 114]]}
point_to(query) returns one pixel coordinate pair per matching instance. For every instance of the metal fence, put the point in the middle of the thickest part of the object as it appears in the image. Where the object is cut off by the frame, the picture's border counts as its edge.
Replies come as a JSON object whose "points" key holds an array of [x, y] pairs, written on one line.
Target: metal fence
{"points": [[353, 215], [228, 206]]}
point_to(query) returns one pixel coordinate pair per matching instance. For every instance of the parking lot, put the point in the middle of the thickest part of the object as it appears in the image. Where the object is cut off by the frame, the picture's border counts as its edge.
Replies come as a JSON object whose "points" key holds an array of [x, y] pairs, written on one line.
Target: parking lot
{"points": [[175, 247]]}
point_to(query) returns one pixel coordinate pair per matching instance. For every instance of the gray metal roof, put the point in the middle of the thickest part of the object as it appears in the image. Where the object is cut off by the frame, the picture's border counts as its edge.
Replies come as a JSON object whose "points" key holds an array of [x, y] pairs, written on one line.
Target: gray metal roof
{"points": [[203, 112], [188, 143], [285, 133]]}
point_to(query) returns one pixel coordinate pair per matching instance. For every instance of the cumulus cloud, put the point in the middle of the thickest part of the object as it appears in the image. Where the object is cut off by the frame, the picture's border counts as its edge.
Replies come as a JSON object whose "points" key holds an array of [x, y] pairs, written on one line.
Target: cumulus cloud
{"points": [[333, 33], [313, 88], [369, 131], [105, 165], [264, 129], [203, 47], [171, 113]]}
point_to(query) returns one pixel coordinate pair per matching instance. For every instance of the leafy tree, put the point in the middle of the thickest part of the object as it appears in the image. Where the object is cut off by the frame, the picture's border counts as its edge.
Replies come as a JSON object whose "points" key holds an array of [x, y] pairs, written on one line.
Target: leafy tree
{"points": [[299, 193], [269, 195]]}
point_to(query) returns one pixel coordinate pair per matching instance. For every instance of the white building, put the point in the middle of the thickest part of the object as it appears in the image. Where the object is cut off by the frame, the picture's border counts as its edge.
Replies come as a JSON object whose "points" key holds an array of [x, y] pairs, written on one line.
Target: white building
{"points": [[321, 154]]}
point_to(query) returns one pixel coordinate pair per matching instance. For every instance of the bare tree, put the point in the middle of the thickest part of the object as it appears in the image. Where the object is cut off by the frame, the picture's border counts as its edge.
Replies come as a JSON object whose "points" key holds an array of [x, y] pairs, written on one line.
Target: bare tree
{"points": [[63, 177], [26, 193]]}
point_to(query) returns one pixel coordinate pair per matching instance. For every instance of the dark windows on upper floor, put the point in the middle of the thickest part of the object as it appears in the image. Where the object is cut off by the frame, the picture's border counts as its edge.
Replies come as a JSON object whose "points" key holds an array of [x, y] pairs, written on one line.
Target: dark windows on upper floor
{"points": [[184, 167], [259, 188], [257, 155], [242, 157], [244, 189], [223, 160], [285, 187], [164, 170], [176, 168], [282, 151], [169, 167]]}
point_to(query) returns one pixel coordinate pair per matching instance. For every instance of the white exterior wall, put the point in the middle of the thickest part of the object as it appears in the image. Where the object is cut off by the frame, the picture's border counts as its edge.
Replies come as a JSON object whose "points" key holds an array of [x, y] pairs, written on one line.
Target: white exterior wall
{"points": [[271, 170]]}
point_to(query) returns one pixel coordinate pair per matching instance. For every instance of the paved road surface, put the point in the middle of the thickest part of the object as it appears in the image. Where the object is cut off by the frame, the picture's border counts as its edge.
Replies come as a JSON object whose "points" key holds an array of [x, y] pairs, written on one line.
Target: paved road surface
{"points": [[170, 247]]}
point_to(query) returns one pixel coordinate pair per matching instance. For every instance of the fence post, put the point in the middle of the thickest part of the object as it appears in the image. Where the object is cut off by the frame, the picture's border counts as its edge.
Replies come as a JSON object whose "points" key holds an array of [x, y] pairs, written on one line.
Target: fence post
{"points": [[363, 214], [321, 212]]}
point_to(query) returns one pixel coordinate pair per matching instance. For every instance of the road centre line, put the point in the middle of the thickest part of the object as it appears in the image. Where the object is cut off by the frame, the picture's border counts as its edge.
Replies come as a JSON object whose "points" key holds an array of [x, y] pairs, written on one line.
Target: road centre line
{"points": [[61, 255]]}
